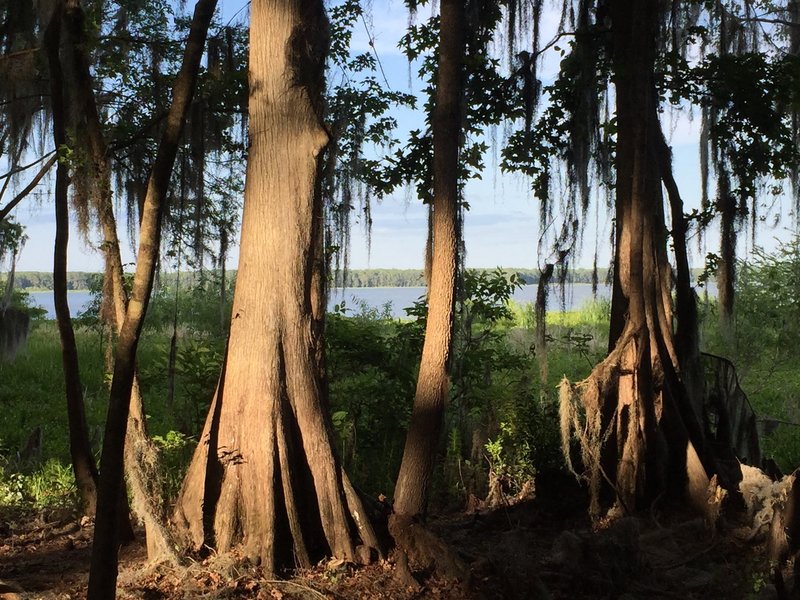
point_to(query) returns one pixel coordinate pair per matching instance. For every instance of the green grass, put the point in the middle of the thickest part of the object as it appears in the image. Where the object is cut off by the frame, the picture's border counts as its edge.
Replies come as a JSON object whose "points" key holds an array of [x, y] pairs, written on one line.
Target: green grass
{"points": [[32, 391]]}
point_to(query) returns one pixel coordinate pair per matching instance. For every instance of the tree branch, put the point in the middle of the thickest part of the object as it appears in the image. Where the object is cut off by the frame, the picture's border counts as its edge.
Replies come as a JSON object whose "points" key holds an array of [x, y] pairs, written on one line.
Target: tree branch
{"points": [[16, 170], [13, 55], [122, 144], [28, 188]]}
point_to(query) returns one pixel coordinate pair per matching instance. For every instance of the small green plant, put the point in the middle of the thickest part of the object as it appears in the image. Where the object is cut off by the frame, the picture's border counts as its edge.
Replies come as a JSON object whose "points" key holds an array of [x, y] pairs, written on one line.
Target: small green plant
{"points": [[176, 450], [198, 362], [510, 457], [12, 490], [757, 581], [51, 486]]}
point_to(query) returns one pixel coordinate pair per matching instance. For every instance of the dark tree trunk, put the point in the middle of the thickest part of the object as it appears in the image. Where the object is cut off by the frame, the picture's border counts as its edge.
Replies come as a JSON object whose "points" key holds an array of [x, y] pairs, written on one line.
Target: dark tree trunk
{"points": [[726, 268], [83, 464], [223, 282], [545, 276], [103, 574], [687, 340], [265, 476]]}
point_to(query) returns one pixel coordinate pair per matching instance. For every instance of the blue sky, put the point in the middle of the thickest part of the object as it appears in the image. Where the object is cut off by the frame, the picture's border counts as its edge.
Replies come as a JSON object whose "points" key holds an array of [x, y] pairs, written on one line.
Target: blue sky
{"points": [[501, 228]]}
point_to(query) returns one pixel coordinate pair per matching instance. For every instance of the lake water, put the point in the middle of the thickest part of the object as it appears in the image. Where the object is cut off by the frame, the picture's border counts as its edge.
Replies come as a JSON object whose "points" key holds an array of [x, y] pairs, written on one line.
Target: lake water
{"points": [[399, 298], [78, 301], [402, 297], [575, 296], [354, 298]]}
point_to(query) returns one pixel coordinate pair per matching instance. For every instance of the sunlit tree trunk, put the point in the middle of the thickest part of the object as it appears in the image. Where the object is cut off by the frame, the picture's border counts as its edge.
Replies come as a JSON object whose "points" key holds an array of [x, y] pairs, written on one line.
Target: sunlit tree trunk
{"points": [[103, 573], [433, 383], [83, 464], [641, 432], [265, 476]]}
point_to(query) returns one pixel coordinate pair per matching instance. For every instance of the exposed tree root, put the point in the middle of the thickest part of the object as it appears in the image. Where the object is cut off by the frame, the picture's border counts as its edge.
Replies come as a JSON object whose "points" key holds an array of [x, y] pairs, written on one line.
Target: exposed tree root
{"points": [[581, 411], [356, 508], [610, 405], [222, 505], [417, 544], [403, 572]]}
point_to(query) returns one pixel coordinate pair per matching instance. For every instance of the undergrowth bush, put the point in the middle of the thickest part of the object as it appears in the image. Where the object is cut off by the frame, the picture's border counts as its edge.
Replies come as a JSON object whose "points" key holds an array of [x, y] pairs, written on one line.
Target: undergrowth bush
{"points": [[175, 450], [372, 368], [50, 485], [501, 416]]}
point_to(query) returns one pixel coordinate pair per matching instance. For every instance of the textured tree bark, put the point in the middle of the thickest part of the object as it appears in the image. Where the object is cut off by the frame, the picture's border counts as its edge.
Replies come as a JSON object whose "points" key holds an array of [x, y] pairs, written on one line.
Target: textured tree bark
{"points": [[645, 437], [433, 383], [265, 477], [83, 464], [103, 573]]}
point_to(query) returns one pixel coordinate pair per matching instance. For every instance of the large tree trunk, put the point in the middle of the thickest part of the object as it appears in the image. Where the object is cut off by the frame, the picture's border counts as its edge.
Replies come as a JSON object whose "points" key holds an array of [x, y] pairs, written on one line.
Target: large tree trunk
{"points": [[264, 475], [433, 383], [103, 574], [641, 434], [83, 464]]}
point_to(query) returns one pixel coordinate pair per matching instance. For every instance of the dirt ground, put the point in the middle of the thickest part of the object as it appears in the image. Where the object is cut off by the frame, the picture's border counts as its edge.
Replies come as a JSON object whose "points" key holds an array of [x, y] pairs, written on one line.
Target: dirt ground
{"points": [[539, 549]]}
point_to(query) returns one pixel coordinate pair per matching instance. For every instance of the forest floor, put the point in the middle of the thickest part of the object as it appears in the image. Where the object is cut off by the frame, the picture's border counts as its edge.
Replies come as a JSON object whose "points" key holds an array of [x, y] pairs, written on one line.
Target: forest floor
{"points": [[543, 548]]}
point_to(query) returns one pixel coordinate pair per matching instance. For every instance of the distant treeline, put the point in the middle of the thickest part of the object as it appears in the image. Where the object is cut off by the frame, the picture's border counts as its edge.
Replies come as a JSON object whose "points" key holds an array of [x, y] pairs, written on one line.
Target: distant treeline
{"points": [[39, 280], [355, 278]]}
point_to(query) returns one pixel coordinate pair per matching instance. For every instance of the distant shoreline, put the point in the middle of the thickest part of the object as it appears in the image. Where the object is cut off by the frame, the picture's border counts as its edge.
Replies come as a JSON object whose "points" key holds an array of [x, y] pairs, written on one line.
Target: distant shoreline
{"points": [[82, 281], [33, 290]]}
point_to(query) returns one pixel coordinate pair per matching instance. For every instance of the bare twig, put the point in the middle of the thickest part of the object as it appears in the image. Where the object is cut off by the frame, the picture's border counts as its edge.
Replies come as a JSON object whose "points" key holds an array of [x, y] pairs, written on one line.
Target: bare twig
{"points": [[20, 53], [28, 188], [16, 170]]}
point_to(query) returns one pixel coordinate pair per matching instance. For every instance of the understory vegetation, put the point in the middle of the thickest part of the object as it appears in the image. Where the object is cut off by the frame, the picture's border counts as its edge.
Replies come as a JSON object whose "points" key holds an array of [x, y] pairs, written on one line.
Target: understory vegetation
{"points": [[502, 422]]}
